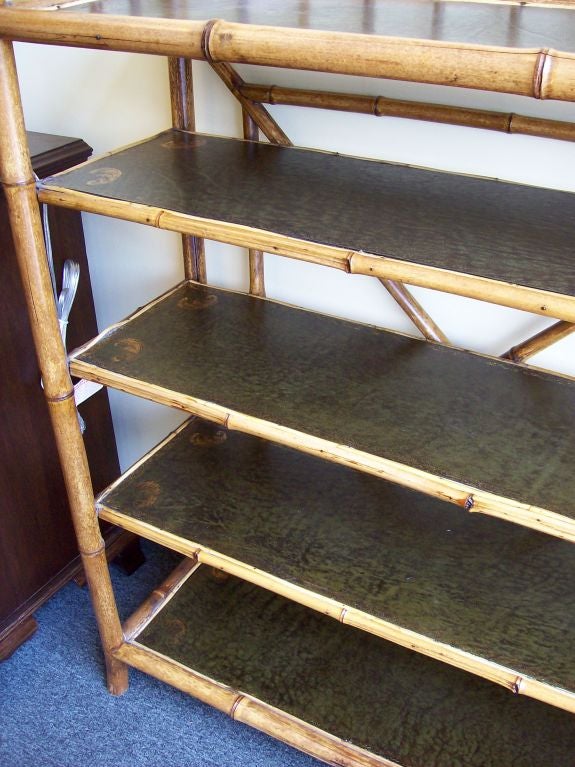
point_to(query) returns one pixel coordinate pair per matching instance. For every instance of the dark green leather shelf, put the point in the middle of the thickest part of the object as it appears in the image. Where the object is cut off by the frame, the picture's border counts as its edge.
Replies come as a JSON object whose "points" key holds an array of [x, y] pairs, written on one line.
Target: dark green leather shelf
{"points": [[493, 590], [500, 430], [502, 236], [395, 703]]}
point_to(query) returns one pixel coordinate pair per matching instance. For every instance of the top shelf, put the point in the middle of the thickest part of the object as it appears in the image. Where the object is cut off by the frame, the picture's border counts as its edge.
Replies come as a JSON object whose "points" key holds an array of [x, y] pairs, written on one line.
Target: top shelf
{"points": [[522, 49]]}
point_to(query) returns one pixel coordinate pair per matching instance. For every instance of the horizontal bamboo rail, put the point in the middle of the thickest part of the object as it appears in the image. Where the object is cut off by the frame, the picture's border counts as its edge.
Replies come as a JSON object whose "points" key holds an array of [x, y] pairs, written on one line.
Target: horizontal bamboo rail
{"points": [[539, 73], [540, 341], [380, 106], [537, 301], [244, 708], [456, 492], [494, 672]]}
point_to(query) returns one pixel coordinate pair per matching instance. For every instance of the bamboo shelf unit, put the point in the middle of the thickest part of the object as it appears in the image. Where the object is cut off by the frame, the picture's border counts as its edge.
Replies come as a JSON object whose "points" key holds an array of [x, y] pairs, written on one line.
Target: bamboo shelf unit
{"points": [[357, 580]]}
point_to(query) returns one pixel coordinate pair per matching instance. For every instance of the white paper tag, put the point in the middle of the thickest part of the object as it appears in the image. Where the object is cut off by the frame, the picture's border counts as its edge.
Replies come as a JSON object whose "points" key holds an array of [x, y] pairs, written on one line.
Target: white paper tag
{"points": [[83, 390]]}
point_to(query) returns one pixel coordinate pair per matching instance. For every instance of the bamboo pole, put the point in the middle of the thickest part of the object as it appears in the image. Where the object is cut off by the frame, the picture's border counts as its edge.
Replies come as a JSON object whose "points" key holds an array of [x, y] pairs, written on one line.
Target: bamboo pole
{"points": [[244, 708], [415, 311], [183, 117], [540, 341], [159, 597], [540, 73], [535, 300], [256, 257], [380, 106], [509, 70], [18, 180], [160, 36]]}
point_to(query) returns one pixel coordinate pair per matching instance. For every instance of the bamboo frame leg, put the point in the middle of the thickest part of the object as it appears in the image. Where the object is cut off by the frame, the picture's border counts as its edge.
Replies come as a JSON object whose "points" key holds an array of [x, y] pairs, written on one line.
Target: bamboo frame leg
{"points": [[540, 341], [17, 177], [256, 257], [183, 116], [414, 311]]}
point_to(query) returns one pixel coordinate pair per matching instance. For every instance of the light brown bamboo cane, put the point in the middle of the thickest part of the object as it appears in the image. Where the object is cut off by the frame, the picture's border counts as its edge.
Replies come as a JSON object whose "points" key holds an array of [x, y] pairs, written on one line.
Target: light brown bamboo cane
{"points": [[411, 110], [183, 117], [256, 257], [535, 300], [539, 73], [415, 311], [17, 177], [528, 72], [540, 341], [159, 597], [243, 708]]}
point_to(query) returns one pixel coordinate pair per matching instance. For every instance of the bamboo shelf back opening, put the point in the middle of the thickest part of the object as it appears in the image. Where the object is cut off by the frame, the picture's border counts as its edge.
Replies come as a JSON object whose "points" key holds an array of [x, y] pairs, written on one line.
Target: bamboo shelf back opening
{"points": [[275, 657], [496, 241], [400, 408]]}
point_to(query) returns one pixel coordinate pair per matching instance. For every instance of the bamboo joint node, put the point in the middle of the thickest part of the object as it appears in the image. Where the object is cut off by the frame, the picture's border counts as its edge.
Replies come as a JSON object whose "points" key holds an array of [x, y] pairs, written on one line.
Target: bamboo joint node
{"points": [[96, 553], [469, 502], [538, 73], [21, 184], [61, 397], [342, 615], [516, 686], [237, 702], [206, 38]]}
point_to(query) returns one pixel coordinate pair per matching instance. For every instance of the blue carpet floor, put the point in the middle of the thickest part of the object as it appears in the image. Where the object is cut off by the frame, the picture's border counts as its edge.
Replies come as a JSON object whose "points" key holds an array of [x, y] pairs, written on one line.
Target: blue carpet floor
{"points": [[55, 710]]}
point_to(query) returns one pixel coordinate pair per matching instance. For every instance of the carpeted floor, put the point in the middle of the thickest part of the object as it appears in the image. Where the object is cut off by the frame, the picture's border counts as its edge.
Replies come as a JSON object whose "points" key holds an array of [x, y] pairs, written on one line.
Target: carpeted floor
{"points": [[55, 710]]}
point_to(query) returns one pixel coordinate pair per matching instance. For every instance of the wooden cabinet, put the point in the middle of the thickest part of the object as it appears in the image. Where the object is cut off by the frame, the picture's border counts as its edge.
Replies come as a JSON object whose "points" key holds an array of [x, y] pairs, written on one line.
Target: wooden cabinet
{"points": [[377, 530], [38, 548]]}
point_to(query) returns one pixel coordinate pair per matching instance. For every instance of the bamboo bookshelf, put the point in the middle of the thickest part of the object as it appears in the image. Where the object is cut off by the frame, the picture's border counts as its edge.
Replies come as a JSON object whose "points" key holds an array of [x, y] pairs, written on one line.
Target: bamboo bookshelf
{"points": [[403, 630]]}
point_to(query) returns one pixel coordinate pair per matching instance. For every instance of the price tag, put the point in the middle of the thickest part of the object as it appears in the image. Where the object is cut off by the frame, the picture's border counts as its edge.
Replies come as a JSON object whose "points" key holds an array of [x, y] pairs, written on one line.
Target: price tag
{"points": [[83, 390]]}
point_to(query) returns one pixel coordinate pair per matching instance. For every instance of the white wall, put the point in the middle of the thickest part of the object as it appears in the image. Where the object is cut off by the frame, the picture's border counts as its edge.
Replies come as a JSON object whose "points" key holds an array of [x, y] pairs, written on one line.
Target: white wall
{"points": [[110, 99]]}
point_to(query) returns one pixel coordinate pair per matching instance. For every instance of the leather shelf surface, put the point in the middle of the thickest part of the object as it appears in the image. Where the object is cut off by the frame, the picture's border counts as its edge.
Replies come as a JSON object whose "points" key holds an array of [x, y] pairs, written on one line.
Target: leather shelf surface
{"points": [[482, 585], [454, 414], [505, 232], [414, 711]]}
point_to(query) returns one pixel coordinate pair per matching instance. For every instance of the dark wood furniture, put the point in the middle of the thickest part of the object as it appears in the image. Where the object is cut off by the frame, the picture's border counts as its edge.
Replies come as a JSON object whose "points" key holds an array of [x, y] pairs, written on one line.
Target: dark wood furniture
{"points": [[38, 548]]}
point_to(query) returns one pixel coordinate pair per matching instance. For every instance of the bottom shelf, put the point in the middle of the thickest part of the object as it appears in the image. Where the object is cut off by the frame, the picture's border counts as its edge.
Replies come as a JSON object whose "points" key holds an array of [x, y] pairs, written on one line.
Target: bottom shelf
{"points": [[299, 675]]}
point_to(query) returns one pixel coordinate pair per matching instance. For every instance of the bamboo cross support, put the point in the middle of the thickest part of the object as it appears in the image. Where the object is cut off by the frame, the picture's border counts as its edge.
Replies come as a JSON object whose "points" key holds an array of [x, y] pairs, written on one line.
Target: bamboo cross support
{"points": [[540, 341], [17, 178], [380, 106], [183, 116], [415, 311]]}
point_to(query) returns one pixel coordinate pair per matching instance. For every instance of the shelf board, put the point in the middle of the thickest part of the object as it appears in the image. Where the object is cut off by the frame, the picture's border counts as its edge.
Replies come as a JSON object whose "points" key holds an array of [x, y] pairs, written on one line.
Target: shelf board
{"points": [[450, 423], [461, 588], [491, 240], [279, 665]]}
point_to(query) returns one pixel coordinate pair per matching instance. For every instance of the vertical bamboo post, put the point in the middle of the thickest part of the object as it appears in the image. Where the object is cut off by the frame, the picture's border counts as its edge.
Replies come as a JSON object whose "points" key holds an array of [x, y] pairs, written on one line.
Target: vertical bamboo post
{"points": [[18, 181], [256, 257], [183, 116]]}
